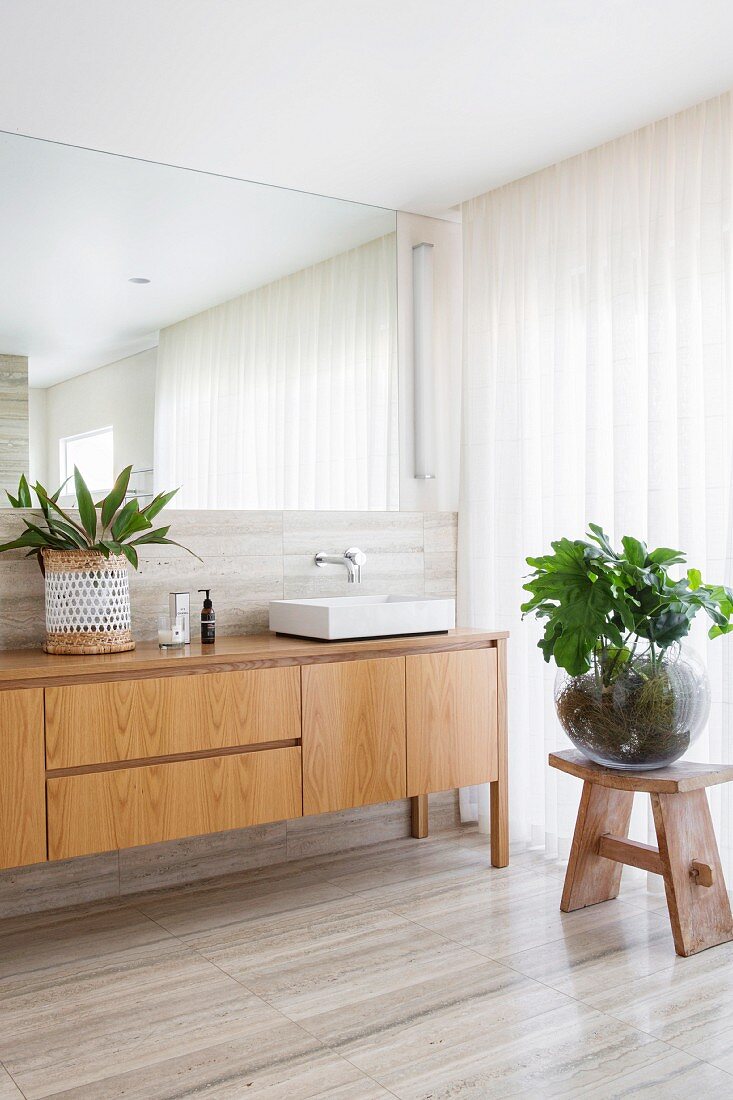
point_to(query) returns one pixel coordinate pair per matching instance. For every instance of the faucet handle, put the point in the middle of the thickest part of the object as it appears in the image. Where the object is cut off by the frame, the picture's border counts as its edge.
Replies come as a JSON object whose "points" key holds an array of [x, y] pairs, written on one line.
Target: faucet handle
{"points": [[357, 558]]}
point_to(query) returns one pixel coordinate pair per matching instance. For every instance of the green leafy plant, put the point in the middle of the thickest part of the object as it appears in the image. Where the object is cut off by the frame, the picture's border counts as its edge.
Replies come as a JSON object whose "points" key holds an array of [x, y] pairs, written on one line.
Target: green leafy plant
{"points": [[111, 526], [600, 603]]}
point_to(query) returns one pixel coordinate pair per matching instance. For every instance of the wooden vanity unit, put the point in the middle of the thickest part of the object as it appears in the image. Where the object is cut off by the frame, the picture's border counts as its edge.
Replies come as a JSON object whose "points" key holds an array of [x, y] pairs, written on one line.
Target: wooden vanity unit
{"points": [[100, 753]]}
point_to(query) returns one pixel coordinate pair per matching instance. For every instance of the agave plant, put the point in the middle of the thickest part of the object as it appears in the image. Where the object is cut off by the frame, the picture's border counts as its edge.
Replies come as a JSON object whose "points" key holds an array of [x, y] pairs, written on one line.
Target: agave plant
{"points": [[111, 526]]}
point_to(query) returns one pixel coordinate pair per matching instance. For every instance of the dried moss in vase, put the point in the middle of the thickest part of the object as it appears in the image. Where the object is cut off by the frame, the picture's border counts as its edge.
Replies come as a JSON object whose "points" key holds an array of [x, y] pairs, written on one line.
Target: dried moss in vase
{"points": [[633, 720]]}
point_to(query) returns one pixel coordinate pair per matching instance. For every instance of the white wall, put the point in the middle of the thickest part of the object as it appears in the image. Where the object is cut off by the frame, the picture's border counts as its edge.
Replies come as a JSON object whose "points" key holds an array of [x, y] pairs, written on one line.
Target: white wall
{"points": [[441, 494], [121, 394], [37, 436]]}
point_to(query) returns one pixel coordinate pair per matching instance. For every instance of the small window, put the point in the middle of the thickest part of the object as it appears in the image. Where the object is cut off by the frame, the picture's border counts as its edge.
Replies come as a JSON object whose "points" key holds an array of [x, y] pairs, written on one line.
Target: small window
{"points": [[93, 454]]}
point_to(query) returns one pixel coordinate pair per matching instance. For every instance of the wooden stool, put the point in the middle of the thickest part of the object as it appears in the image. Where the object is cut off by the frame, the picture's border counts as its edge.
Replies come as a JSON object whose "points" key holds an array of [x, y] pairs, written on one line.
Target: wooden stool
{"points": [[687, 856]]}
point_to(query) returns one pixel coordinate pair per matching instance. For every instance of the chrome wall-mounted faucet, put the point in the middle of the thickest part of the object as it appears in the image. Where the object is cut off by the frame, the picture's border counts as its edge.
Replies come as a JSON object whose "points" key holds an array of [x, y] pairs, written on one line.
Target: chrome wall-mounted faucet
{"points": [[353, 559]]}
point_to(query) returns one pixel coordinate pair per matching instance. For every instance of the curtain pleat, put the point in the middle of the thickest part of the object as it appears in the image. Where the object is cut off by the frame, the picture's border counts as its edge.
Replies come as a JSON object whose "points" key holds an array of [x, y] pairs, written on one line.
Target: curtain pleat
{"points": [[597, 386], [286, 397]]}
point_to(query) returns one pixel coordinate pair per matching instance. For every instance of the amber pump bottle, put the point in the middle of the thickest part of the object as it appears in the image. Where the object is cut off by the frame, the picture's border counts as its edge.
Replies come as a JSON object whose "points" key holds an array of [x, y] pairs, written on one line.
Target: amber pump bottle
{"points": [[208, 620]]}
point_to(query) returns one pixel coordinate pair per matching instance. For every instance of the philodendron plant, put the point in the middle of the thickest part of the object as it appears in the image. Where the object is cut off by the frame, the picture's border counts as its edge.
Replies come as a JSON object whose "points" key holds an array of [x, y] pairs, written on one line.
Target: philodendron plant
{"points": [[600, 604], [110, 526], [613, 618]]}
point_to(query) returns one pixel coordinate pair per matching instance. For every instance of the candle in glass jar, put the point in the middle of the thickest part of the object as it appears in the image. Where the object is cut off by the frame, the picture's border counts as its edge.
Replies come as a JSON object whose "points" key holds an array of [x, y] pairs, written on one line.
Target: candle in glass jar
{"points": [[170, 631]]}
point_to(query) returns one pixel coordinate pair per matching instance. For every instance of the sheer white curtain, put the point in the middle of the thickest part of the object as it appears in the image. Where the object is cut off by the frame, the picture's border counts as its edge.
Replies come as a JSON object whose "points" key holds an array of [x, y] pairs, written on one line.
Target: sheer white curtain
{"points": [[598, 331], [286, 397]]}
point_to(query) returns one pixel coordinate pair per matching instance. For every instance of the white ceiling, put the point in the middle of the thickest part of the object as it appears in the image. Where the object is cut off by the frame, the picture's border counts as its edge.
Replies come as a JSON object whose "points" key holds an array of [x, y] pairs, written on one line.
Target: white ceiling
{"points": [[409, 104], [414, 104], [75, 226]]}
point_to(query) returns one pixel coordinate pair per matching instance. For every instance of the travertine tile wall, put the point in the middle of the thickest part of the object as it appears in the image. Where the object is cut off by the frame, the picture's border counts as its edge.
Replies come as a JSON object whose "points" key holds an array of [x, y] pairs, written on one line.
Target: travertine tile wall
{"points": [[249, 558], [13, 420]]}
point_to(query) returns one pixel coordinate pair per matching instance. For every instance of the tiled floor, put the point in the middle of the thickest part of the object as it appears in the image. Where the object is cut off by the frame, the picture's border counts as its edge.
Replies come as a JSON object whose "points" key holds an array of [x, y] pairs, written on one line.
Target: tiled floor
{"points": [[410, 969]]}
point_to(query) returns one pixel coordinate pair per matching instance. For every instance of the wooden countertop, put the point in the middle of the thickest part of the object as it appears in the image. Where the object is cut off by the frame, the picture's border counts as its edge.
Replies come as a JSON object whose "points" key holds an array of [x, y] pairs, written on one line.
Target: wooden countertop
{"points": [[34, 668]]}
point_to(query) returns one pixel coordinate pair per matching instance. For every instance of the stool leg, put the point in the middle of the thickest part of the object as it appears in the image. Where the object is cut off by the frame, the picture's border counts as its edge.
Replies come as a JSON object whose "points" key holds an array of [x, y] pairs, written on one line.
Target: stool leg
{"points": [[700, 915], [590, 878]]}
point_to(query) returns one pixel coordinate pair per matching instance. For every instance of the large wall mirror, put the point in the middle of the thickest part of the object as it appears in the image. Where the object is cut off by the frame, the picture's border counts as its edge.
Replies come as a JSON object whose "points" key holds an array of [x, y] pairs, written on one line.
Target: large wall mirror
{"points": [[234, 339]]}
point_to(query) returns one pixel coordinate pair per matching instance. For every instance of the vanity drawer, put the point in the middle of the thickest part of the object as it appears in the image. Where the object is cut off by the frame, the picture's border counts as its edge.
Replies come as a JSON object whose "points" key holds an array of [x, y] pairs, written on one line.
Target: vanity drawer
{"points": [[100, 811], [137, 719]]}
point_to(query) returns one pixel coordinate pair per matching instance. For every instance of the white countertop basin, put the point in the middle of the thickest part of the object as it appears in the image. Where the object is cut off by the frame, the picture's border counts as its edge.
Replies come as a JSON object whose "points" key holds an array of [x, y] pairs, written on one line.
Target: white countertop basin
{"points": [[336, 618]]}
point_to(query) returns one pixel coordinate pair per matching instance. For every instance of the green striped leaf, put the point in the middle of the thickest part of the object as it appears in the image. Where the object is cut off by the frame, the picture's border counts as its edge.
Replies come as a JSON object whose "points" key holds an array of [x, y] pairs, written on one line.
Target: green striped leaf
{"points": [[115, 497], [85, 504]]}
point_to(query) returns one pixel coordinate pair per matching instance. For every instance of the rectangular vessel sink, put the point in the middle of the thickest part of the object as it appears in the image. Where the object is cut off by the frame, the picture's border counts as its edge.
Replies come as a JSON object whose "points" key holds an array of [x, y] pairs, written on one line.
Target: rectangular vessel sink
{"points": [[337, 618]]}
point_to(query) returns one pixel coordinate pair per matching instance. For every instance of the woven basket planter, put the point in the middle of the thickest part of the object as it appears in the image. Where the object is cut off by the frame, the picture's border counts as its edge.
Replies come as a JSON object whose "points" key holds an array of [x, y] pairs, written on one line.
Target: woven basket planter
{"points": [[87, 602]]}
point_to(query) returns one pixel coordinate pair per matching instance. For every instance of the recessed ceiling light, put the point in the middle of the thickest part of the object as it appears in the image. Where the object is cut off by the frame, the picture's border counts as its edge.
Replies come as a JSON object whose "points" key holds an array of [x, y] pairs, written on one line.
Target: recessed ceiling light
{"points": [[138, 279]]}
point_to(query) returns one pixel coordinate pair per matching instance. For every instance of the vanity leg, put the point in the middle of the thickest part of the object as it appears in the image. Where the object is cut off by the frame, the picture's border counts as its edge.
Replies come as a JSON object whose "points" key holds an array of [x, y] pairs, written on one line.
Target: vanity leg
{"points": [[499, 789], [499, 806], [419, 814]]}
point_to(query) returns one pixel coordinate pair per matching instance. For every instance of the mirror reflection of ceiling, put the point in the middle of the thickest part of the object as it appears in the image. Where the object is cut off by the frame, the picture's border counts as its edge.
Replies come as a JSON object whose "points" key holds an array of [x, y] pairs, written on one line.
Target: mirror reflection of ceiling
{"points": [[76, 226]]}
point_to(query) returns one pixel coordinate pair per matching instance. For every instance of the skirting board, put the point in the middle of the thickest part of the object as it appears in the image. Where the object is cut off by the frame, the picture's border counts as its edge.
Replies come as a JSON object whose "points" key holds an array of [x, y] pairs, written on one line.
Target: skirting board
{"points": [[112, 875]]}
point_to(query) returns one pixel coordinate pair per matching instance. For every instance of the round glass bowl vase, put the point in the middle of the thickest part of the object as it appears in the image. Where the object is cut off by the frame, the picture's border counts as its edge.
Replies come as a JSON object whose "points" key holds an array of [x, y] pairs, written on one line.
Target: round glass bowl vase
{"points": [[643, 714]]}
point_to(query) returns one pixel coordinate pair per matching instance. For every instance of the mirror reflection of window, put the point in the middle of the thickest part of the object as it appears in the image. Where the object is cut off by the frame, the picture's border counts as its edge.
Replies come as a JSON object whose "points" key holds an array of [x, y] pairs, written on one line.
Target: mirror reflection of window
{"points": [[93, 455]]}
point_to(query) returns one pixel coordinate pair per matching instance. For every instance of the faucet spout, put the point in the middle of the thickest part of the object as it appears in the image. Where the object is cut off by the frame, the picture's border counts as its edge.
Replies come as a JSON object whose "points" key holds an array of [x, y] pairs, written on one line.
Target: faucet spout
{"points": [[353, 559]]}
